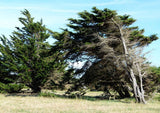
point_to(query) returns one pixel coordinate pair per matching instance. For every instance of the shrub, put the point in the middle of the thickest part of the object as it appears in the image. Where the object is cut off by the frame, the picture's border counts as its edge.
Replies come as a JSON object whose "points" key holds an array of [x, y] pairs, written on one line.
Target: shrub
{"points": [[2, 88], [10, 88]]}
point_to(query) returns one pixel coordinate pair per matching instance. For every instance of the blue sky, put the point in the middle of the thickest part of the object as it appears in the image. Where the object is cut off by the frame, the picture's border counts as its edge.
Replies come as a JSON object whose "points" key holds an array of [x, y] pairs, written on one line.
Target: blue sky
{"points": [[56, 12]]}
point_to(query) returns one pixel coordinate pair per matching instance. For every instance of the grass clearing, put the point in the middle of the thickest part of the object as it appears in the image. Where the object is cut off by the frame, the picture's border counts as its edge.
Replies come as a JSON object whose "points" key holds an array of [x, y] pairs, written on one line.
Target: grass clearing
{"points": [[37, 104]]}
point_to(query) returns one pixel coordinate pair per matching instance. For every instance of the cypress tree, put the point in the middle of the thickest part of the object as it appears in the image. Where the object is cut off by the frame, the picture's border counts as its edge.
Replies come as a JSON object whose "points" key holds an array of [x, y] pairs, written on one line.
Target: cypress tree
{"points": [[108, 43], [27, 55]]}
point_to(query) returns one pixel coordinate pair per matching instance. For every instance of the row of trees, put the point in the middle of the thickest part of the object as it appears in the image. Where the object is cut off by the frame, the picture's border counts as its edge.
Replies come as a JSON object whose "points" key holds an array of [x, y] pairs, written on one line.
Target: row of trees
{"points": [[107, 43]]}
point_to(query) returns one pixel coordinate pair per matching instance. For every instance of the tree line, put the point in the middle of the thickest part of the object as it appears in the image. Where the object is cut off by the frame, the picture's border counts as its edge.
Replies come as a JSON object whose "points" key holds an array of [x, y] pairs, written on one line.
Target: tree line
{"points": [[108, 44]]}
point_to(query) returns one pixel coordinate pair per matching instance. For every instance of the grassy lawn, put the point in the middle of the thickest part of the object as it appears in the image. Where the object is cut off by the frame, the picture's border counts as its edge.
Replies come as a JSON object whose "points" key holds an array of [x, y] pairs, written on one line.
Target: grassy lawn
{"points": [[37, 104]]}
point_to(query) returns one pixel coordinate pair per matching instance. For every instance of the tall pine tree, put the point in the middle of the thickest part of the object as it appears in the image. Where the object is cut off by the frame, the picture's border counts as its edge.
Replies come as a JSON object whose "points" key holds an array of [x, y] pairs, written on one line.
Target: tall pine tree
{"points": [[28, 56]]}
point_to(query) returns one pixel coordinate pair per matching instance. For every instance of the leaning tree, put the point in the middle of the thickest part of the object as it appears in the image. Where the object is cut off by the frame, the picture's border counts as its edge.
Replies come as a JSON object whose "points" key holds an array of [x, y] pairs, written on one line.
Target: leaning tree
{"points": [[104, 38]]}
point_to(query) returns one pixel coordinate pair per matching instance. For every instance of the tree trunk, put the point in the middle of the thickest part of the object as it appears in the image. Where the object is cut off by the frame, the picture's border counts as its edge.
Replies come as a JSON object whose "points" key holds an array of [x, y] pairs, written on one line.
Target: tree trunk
{"points": [[122, 91], [121, 94], [127, 93], [138, 94], [36, 89]]}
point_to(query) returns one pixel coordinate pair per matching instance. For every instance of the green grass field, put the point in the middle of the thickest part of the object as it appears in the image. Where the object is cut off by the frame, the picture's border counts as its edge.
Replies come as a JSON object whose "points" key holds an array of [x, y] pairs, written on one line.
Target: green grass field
{"points": [[38, 104]]}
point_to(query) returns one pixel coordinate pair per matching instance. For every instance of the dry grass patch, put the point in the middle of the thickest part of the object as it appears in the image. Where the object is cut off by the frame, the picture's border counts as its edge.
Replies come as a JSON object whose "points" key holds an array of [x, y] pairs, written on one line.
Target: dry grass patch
{"points": [[33, 104]]}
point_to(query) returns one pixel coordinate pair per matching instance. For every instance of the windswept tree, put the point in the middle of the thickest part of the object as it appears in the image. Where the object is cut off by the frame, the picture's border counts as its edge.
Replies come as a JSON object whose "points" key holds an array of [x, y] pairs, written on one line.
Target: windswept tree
{"points": [[27, 57], [107, 40]]}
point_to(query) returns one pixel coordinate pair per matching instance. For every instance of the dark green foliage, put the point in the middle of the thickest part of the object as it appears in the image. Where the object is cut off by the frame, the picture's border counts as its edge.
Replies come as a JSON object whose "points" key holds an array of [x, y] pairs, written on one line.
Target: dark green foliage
{"points": [[10, 88], [13, 88], [137, 35], [26, 57], [2, 88], [156, 71], [107, 77], [95, 38], [153, 81]]}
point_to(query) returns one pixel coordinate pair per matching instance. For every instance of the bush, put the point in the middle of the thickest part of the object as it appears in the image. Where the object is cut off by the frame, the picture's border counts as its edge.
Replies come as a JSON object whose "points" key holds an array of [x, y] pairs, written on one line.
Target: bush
{"points": [[2, 88], [14, 88], [10, 88]]}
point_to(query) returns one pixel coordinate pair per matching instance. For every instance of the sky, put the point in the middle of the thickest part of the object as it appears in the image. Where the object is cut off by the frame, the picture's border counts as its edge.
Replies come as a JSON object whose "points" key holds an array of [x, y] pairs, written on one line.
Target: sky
{"points": [[56, 12]]}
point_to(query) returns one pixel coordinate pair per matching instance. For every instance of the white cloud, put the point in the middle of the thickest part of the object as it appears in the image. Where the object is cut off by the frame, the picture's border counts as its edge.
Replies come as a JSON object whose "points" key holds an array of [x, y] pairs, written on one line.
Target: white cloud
{"points": [[64, 11], [77, 65], [17, 7], [141, 14], [51, 17], [113, 2], [39, 8]]}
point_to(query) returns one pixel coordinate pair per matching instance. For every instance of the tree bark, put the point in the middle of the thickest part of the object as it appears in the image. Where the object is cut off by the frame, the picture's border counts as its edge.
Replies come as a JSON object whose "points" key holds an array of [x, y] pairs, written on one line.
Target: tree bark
{"points": [[138, 94]]}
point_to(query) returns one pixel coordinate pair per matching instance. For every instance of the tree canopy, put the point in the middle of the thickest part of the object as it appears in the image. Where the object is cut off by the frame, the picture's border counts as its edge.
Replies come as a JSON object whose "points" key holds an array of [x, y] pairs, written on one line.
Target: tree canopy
{"points": [[108, 44], [28, 55], [111, 48]]}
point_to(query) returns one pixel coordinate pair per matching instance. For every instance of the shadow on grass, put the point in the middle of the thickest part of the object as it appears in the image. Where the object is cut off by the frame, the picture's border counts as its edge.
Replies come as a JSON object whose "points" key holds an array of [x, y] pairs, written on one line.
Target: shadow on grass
{"points": [[22, 94], [95, 98], [53, 95], [90, 98]]}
